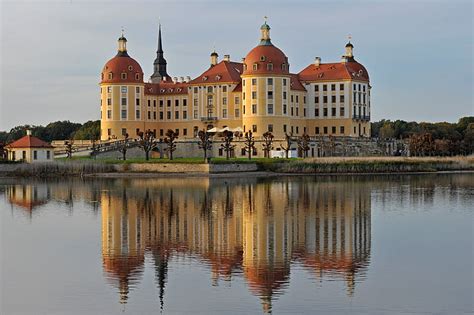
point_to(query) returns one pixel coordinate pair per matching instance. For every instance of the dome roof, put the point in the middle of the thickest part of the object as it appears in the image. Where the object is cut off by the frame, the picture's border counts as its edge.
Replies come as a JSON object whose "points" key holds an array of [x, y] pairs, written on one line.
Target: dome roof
{"points": [[269, 60], [122, 68], [122, 64], [266, 58]]}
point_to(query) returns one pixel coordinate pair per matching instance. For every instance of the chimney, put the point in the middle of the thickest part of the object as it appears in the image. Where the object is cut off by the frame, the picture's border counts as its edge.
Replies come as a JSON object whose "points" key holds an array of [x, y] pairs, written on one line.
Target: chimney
{"points": [[227, 58], [175, 79], [28, 132], [317, 61], [188, 78]]}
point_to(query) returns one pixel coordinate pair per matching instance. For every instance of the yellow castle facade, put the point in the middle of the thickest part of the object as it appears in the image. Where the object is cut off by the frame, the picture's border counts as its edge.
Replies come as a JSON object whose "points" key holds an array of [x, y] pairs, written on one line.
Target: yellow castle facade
{"points": [[258, 94]]}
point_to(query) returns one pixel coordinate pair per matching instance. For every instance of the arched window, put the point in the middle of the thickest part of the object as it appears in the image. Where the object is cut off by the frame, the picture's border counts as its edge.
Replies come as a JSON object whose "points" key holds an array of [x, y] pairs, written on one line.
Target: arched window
{"points": [[270, 66], [123, 75], [111, 75], [137, 76], [255, 66]]}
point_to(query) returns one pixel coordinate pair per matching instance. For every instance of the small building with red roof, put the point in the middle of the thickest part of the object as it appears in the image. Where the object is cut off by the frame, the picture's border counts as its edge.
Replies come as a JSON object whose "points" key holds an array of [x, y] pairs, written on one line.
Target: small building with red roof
{"points": [[30, 149]]}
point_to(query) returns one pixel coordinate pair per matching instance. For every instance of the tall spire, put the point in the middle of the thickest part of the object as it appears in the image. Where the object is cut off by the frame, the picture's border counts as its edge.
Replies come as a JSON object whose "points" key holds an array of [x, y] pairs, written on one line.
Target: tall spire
{"points": [[159, 65]]}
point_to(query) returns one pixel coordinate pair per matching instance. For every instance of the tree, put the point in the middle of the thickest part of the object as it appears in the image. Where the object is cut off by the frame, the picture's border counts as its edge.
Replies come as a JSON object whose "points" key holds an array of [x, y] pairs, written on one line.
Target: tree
{"points": [[387, 131], [170, 141], [249, 143], [303, 144], [69, 148], [227, 143], [147, 142], [88, 131], [468, 141], [287, 146], [205, 142], [3, 151], [267, 143], [124, 147]]}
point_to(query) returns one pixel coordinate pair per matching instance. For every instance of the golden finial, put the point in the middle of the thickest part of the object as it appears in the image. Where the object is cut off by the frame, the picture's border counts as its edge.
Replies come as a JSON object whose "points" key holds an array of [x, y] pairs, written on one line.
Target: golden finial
{"points": [[123, 31], [349, 37], [265, 18]]}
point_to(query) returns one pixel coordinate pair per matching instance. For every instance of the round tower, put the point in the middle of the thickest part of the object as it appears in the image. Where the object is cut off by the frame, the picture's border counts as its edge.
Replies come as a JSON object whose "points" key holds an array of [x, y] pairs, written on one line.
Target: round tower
{"points": [[121, 95], [266, 88]]}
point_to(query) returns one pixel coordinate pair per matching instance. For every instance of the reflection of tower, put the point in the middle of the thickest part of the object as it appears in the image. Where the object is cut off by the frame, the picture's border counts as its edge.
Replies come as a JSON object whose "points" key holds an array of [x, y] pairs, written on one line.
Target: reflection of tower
{"points": [[337, 240], [267, 233], [122, 243]]}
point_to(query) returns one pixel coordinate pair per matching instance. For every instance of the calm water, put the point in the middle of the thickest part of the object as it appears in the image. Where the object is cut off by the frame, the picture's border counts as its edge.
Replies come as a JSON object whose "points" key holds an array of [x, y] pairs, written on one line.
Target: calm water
{"points": [[327, 245]]}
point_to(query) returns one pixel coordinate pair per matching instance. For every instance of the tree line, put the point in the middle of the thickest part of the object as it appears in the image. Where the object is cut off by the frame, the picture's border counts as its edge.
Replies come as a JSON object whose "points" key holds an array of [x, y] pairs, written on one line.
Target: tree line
{"points": [[58, 130], [424, 138]]}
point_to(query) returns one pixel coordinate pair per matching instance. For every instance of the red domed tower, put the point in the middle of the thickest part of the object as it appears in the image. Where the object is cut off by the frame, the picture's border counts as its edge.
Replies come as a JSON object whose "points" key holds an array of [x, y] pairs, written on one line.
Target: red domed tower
{"points": [[266, 84], [122, 91]]}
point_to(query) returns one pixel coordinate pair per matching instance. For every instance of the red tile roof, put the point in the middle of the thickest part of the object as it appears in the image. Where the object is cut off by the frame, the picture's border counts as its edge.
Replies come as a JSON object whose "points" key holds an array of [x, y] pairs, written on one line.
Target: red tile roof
{"points": [[122, 64], [262, 55], [334, 71], [28, 142], [166, 88], [224, 71], [295, 83]]}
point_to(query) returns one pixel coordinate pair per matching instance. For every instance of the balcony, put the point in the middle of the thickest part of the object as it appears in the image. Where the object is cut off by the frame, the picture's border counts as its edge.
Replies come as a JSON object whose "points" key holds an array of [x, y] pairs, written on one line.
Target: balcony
{"points": [[361, 117], [209, 119]]}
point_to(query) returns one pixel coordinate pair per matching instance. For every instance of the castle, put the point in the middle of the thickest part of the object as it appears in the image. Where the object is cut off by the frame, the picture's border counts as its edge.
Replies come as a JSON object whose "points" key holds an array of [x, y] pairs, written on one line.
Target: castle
{"points": [[258, 94]]}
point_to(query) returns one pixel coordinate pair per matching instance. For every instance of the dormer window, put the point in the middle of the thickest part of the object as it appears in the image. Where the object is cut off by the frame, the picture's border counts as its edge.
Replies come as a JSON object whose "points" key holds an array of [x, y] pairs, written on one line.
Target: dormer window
{"points": [[270, 66], [137, 76], [162, 90], [123, 76], [218, 77], [111, 75], [204, 78], [245, 67], [283, 66], [102, 76], [262, 58], [130, 68], [255, 66]]}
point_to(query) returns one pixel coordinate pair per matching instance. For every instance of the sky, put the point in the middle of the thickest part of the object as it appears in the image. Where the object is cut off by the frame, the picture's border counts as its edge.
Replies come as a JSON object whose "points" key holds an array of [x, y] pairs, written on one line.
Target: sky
{"points": [[419, 54]]}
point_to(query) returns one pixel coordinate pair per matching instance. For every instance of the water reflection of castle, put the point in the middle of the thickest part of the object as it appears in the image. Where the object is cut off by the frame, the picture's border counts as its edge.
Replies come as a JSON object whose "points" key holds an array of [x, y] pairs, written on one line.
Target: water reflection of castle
{"points": [[257, 228]]}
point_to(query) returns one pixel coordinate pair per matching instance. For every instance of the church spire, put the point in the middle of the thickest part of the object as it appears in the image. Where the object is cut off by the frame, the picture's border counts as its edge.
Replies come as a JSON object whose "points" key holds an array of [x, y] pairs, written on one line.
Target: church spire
{"points": [[159, 65]]}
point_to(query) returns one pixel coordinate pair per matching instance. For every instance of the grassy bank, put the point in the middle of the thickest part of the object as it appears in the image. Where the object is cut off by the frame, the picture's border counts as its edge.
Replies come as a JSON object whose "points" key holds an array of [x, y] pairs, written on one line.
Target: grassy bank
{"points": [[338, 165], [335, 165]]}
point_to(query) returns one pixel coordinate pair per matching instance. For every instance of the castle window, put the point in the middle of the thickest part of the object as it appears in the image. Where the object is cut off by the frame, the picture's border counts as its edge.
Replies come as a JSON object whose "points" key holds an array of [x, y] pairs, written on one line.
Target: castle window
{"points": [[224, 101], [224, 88], [284, 109], [168, 103], [245, 67], [123, 89], [325, 130], [341, 98], [209, 89], [185, 132], [137, 102], [154, 103], [123, 76], [316, 88], [316, 130], [341, 87], [195, 114], [161, 115], [284, 82], [325, 87], [176, 103], [237, 113], [149, 115], [262, 58], [316, 112], [195, 90], [333, 112], [333, 87], [270, 67], [109, 114], [254, 81], [176, 115], [137, 114], [224, 113], [130, 68], [254, 128], [137, 90], [154, 115], [236, 100], [333, 98], [254, 95], [316, 99], [270, 95], [124, 101], [283, 66], [109, 101], [255, 66], [342, 112], [109, 89], [325, 99], [270, 128], [325, 112], [185, 102], [168, 115], [341, 130], [111, 75], [137, 76], [185, 114], [254, 108], [270, 109], [333, 129], [284, 95], [195, 102], [270, 81]]}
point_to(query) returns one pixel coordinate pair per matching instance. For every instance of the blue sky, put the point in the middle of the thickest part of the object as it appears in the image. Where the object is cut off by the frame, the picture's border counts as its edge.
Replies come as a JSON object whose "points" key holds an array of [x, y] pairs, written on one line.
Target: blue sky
{"points": [[419, 54]]}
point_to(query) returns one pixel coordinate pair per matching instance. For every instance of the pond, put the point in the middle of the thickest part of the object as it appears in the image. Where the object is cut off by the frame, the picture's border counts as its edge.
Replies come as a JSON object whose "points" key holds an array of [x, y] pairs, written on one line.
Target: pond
{"points": [[238, 245]]}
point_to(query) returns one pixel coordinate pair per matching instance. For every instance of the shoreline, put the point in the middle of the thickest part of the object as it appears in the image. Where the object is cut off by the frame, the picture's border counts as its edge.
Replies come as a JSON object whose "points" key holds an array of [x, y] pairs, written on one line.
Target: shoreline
{"points": [[348, 166]]}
